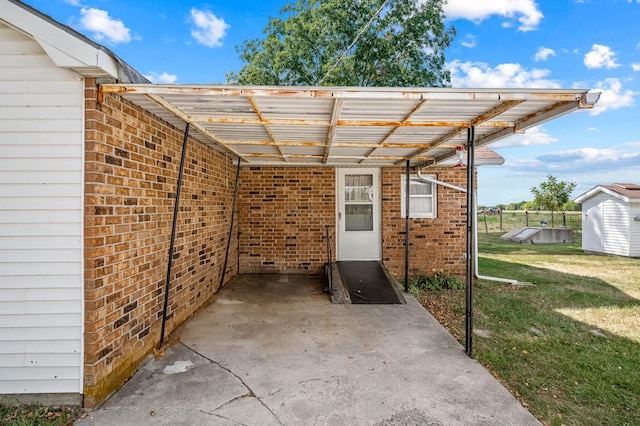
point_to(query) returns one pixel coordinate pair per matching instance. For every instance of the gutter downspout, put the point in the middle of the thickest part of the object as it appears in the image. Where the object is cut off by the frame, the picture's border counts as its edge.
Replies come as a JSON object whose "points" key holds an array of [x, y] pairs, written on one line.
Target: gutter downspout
{"points": [[483, 277], [475, 230]]}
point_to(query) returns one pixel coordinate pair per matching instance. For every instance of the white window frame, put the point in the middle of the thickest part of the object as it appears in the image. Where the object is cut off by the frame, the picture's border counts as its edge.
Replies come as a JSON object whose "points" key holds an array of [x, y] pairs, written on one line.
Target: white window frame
{"points": [[434, 197]]}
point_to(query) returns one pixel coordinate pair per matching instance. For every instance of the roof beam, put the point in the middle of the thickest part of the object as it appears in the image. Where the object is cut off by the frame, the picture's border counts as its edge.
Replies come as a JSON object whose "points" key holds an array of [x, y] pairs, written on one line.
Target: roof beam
{"points": [[452, 134], [333, 157], [482, 118], [342, 123], [406, 119], [336, 144], [181, 115], [266, 126], [335, 114], [432, 93], [553, 111]]}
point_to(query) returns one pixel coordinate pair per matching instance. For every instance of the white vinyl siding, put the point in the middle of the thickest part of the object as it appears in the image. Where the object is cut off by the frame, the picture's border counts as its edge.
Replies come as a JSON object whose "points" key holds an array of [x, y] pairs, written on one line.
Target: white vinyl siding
{"points": [[41, 205], [608, 225]]}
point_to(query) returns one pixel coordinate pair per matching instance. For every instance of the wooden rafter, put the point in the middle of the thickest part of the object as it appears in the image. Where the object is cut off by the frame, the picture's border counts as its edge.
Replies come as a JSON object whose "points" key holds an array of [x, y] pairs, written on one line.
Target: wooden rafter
{"points": [[405, 120], [181, 115], [482, 118], [335, 114], [266, 126]]}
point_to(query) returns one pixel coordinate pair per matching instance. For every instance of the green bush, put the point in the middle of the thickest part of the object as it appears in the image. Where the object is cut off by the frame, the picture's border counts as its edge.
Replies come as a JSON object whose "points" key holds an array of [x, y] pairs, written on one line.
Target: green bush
{"points": [[439, 281]]}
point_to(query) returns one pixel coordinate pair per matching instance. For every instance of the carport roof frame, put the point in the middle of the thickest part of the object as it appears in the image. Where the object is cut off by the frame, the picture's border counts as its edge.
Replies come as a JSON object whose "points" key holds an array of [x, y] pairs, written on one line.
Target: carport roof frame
{"points": [[349, 126]]}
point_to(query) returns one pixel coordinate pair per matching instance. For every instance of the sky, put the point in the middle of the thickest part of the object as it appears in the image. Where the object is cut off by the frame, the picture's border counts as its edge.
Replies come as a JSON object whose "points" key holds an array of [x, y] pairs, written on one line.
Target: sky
{"points": [[590, 44]]}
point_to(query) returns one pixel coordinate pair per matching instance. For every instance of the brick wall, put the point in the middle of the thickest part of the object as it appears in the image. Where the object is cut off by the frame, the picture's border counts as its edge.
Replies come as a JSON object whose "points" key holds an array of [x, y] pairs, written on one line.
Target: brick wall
{"points": [[131, 169], [283, 212], [434, 244]]}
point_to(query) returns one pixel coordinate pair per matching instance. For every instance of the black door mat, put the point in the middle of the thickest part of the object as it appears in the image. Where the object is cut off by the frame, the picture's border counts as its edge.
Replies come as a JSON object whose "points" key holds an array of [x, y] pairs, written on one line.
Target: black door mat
{"points": [[367, 283]]}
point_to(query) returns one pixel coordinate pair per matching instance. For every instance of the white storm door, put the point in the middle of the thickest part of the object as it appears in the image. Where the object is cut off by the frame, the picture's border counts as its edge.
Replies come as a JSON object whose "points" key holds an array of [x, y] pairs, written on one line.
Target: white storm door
{"points": [[358, 213]]}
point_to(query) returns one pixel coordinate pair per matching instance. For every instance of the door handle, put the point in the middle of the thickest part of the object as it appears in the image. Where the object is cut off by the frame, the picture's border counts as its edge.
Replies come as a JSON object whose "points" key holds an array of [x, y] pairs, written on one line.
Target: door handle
{"points": [[339, 215]]}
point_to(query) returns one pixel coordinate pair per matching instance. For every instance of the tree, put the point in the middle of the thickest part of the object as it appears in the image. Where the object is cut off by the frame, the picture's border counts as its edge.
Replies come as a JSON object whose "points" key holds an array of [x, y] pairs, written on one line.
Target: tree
{"points": [[552, 194], [571, 206], [401, 46]]}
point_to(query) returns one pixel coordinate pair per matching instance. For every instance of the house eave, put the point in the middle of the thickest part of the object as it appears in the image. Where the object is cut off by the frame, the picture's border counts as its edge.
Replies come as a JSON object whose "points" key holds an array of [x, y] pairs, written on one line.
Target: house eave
{"points": [[67, 48], [600, 189]]}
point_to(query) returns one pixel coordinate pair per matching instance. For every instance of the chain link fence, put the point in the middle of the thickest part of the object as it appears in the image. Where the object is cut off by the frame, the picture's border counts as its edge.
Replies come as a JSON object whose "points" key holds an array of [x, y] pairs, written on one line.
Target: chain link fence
{"points": [[506, 220]]}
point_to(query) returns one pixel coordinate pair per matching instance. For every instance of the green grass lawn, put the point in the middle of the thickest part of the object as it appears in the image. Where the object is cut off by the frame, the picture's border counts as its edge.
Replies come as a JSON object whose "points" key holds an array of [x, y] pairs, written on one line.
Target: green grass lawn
{"points": [[568, 347]]}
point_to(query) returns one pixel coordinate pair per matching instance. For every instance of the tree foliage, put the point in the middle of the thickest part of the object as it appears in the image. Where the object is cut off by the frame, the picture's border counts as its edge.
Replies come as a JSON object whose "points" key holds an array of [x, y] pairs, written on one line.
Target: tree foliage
{"points": [[402, 47], [552, 194]]}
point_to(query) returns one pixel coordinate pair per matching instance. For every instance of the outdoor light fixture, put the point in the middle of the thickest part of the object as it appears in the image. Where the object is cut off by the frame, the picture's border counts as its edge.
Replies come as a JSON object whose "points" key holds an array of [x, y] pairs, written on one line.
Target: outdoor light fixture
{"points": [[460, 157]]}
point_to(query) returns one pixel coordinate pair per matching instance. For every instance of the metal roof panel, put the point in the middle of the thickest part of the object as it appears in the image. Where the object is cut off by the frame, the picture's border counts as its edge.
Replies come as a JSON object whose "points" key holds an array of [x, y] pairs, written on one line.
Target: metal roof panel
{"points": [[349, 125]]}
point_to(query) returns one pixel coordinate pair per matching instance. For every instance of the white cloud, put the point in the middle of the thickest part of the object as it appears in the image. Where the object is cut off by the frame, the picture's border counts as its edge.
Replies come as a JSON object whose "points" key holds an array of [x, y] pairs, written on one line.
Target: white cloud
{"points": [[600, 57], [635, 66], [526, 11], [73, 2], [469, 41], [479, 74], [164, 78], [534, 136], [579, 164], [209, 30], [543, 54], [613, 96], [103, 26], [591, 159]]}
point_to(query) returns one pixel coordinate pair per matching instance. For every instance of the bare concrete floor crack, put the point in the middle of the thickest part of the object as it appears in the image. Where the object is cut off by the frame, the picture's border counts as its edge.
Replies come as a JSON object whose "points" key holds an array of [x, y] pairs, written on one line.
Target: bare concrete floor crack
{"points": [[247, 395], [251, 392], [224, 418]]}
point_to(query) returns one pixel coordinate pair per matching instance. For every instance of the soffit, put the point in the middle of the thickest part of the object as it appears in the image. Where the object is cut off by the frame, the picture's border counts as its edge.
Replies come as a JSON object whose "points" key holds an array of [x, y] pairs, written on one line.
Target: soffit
{"points": [[348, 125]]}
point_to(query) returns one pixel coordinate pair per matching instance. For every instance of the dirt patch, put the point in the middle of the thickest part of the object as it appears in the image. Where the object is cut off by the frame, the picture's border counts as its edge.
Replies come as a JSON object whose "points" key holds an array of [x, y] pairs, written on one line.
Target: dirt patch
{"points": [[446, 306]]}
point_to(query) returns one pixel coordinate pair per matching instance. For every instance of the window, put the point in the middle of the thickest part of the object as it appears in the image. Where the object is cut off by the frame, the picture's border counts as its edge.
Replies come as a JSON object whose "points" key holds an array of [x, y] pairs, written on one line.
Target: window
{"points": [[358, 202], [422, 197]]}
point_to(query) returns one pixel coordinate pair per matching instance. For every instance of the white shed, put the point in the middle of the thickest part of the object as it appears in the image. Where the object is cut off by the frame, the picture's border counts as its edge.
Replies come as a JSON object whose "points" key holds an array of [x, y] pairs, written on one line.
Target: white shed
{"points": [[42, 71], [611, 219]]}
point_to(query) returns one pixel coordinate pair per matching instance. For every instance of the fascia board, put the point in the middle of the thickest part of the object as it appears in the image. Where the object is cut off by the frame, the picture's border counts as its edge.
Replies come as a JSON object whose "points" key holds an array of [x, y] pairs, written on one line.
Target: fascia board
{"points": [[594, 191], [64, 49]]}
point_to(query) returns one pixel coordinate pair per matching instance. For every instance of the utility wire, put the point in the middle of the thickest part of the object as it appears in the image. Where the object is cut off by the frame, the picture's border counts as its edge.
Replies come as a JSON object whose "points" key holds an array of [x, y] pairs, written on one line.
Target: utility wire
{"points": [[355, 40]]}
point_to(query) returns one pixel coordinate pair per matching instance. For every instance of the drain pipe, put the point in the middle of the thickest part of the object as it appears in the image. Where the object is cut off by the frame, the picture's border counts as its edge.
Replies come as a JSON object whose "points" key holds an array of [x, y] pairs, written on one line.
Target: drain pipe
{"points": [[483, 277], [439, 182], [475, 230]]}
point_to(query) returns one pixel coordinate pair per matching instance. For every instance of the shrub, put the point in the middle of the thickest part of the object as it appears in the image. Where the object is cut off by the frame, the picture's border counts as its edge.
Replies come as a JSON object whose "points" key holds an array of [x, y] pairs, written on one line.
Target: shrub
{"points": [[439, 281]]}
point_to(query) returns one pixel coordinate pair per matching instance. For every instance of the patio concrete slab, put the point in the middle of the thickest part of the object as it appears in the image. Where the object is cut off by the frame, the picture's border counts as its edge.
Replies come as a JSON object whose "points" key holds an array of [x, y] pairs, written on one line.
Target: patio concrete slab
{"points": [[272, 350]]}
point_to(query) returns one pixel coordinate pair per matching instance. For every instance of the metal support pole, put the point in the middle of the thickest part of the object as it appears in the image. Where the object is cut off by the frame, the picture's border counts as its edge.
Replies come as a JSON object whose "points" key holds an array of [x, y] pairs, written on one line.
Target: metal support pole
{"points": [[406, 227], [233, 215], [470, 242], [176, 206]]}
